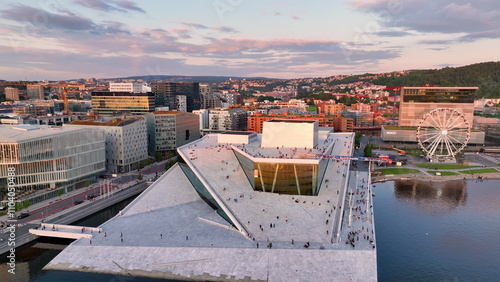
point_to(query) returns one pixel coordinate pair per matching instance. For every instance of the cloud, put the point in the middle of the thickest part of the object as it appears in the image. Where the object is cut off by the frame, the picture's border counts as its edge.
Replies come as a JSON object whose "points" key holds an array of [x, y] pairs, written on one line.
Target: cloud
{"points": [[129, 5], [436, 42], [111, 48], [110, 6], [445, 16], [202, 26], [438, 48], [394, 33], [43, 19], [225, 29], [194, 25]]}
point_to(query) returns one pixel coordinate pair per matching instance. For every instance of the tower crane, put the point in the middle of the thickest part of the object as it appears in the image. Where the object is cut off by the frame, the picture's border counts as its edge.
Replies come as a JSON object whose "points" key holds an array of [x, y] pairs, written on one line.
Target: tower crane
{"points": [[65, 88]]}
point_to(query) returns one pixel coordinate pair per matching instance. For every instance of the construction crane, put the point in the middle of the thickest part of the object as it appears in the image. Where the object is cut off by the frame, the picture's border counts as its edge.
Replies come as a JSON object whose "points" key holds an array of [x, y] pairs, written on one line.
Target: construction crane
{"points": [[65, 88]]}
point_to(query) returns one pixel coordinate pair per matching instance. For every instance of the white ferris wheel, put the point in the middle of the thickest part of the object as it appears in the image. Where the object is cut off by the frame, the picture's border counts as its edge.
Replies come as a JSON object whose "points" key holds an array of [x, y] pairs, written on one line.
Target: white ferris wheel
{"points": [[442, 133]]}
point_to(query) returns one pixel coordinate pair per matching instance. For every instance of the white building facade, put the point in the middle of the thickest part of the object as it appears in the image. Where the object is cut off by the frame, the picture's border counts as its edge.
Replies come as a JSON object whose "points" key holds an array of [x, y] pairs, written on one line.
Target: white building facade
{"points": [[43, 157], [224, 120], [133, 87], [126, 142], [169, 130]]}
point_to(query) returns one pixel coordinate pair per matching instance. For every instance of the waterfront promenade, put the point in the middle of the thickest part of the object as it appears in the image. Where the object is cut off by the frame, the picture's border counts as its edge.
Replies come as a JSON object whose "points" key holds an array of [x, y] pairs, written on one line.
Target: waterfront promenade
{"points": [[63, 210]]}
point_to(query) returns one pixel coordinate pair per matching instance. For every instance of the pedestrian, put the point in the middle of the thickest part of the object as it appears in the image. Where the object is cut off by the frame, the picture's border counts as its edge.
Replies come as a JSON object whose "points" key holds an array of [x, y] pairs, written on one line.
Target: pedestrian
{"points": [[187, 238], [105, 234], [161, 236], [121, 239]]}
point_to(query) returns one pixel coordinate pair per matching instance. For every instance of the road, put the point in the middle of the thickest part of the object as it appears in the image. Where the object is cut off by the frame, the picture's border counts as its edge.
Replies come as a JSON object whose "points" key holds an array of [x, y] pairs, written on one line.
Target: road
{"points": [[68, 216]]}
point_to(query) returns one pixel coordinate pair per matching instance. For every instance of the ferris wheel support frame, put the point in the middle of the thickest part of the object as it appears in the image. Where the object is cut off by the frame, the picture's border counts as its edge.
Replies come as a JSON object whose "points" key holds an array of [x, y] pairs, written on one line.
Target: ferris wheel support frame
{"points": [[443, 130]]}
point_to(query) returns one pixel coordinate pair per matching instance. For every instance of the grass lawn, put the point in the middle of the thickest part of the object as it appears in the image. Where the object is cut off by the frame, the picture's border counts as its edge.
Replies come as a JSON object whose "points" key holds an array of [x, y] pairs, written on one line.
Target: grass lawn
{"points": [[443, 173], [484, 170], [312, 108], [445, 166], [386, 171]]}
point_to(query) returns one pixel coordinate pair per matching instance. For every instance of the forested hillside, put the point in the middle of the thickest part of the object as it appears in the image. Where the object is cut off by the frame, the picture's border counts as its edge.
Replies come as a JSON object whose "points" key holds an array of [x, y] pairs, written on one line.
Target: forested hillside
{"points": [[484, 75]]}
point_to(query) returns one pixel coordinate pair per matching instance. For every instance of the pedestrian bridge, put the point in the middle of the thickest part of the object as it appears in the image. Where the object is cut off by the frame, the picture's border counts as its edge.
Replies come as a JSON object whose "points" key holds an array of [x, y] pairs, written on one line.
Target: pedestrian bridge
{"points": [[65, 231]]}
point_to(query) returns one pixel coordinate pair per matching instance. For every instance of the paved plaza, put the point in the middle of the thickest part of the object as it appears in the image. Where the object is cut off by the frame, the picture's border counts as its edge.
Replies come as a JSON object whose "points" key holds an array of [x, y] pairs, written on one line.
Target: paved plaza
{"points": [[169, 231]]}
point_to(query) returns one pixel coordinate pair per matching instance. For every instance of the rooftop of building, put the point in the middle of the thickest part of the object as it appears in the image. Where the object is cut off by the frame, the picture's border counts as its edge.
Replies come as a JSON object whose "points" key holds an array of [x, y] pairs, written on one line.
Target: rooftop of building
{"points": [[167, 112], [112, 122], [256, 150], [121, 94], [26, 132], [292, 120], [440, 87], [238, 132], [172, 232]]}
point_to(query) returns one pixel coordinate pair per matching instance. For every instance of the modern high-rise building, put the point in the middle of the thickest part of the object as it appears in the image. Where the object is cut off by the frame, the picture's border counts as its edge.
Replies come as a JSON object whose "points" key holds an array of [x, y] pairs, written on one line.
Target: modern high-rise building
{"points": [[210, 101], [118, 103], [126, 141], [205, 89], [165, 93], [417, 101], [181, 103], [35, 92], [44, 156], [12, 93], [228, 119], [169, 130], [132, 87]]}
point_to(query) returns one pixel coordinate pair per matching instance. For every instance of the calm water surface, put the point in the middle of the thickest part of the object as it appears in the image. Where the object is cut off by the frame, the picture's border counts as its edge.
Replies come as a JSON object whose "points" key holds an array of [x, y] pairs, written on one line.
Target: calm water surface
{"points": [[425, 232], [438, 232]]}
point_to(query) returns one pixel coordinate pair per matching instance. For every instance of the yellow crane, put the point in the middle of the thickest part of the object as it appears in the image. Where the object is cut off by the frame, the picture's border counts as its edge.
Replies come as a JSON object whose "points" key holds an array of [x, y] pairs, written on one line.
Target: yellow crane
{"points": [[65, 88]]}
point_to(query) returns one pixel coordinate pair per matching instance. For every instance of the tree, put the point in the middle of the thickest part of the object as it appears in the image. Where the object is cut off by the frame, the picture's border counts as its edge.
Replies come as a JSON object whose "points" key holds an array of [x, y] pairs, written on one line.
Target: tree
{"points": [[368, 150], [158, 156], [139, 177]]}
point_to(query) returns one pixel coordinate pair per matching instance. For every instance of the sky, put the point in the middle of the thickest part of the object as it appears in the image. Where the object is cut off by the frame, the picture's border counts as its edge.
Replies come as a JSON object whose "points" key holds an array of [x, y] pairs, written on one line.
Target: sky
{"points": [[69, 39]]}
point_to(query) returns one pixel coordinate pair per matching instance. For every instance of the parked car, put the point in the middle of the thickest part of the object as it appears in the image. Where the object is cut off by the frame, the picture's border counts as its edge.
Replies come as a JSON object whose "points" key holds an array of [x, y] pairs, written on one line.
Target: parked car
{"points": [[78, 202]]}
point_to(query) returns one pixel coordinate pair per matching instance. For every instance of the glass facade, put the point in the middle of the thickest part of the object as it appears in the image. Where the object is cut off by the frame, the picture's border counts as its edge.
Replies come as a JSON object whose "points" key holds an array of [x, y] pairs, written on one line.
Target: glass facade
{"points": [[203, 192], [429, 95], [112, 103], [286, 178]]}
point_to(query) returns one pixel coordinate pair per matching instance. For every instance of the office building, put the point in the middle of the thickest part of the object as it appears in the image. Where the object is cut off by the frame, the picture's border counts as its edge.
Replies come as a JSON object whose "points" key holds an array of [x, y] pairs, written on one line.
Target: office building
{"points": [[131, 87], [169, 130], [120, 103], [210, 101], [228, 119], [181, 103], [256, 122], [11, 93], [166, 92], [417, 101], [126, 141], [35, 92], [47, 157]]}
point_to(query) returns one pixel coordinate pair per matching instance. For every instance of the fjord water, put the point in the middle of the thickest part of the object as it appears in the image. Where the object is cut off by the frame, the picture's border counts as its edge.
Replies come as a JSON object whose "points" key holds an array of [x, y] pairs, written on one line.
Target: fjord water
{"points": [[438, 231], [424, 232]]}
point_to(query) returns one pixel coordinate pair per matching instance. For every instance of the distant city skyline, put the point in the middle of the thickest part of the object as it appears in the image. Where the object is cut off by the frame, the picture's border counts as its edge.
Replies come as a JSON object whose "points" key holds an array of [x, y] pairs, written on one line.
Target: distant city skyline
{"points": [[69, 39]]}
